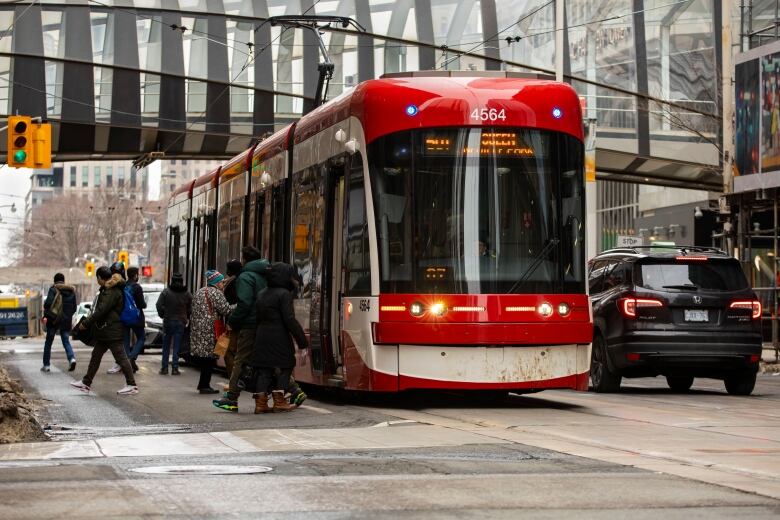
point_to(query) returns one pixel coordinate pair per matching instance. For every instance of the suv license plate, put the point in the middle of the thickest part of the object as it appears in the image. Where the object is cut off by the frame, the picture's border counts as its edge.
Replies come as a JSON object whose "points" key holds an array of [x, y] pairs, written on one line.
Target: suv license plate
{"points": [[696, 315]]}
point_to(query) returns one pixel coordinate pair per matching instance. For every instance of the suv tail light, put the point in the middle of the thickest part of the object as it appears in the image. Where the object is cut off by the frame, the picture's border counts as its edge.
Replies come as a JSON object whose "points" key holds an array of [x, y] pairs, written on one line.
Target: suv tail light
{"points": [[629, 306], [753, 305]]}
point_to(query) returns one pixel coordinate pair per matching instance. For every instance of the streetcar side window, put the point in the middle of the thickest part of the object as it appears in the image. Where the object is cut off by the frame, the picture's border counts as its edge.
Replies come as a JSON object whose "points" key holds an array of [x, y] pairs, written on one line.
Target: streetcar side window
{"points": [[276, 223], [308, 219], [357, 264]]}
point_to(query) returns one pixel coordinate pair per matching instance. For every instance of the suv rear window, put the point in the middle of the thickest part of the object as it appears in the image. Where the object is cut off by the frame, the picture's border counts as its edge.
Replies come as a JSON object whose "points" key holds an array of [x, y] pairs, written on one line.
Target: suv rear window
{"points": [[708, 276]]}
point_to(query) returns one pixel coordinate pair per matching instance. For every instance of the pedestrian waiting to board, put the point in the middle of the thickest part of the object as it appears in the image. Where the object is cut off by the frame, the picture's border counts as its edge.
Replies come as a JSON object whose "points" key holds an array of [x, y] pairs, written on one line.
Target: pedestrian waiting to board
{"points": [[273, 358], [58, 310], [173, 306], [231, 295], [105, 329], [209, 310], [242, 320]]}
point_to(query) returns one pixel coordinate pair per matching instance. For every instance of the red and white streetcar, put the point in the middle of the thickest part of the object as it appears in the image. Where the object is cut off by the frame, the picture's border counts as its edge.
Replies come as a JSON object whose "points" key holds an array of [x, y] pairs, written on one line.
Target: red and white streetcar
{"points": [[437, 222]]}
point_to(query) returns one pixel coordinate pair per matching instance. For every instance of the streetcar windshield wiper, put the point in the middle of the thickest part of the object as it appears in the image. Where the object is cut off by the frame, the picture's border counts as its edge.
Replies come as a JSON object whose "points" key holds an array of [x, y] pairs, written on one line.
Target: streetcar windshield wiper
{"points": [[686, 287], [536, 262]]}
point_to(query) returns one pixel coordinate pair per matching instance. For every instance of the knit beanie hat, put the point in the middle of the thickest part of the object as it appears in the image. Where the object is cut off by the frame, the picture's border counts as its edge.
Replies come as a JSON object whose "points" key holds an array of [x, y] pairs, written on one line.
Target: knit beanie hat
{"points": [[213, 277]]}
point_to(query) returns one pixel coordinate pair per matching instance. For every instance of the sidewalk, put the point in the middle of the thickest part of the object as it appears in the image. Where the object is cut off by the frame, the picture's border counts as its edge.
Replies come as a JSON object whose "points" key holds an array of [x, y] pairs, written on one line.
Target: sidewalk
{"points": [[382, 436]]}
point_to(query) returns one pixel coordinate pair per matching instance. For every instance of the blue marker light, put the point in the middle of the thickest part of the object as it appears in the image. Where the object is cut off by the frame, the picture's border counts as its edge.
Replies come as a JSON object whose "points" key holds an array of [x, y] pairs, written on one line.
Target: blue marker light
{"points": [[557, 113], [412, 110]]}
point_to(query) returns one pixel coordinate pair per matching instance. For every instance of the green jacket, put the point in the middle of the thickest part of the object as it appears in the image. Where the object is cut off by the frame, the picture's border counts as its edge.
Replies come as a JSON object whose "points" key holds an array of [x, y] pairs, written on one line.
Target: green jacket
{"points": [[104, 318], [249, 283]]}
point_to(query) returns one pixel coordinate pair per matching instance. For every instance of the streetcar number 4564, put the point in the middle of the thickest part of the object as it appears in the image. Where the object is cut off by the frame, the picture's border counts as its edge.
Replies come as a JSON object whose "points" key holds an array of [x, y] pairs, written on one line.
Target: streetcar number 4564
{"points": [[488, 114]]}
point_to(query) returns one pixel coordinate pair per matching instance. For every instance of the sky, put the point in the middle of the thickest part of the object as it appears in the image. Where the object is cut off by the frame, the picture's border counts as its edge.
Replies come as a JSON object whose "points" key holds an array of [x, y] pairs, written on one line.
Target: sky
{"points": [[14, 185]]}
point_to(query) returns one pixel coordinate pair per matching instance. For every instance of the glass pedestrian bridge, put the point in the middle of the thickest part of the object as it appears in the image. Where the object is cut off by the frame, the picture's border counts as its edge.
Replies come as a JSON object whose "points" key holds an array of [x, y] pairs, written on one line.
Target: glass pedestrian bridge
{"points": [[203, 78]]}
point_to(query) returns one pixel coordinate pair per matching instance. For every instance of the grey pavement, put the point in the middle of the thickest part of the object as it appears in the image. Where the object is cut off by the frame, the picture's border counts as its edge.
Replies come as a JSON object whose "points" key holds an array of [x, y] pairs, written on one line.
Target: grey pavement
{"points": [[644, 453]]}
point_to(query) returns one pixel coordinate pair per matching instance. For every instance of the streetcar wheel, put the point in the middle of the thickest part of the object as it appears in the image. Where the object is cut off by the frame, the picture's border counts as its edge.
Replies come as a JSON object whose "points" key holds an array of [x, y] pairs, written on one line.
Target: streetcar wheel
{"points": [[679, 383], [602, 380]]}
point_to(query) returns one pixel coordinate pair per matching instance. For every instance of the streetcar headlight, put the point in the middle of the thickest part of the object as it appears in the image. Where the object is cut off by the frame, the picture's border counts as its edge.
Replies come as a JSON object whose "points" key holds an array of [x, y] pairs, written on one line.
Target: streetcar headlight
{"points": [[545, 310], [416, 309], [564, 309], [438, 309]]}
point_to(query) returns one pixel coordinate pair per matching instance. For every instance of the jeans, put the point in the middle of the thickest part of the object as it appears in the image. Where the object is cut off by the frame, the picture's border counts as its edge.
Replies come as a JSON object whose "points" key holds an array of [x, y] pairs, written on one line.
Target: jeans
{"points": [[173, 330], [140, 336], [65, 335], [118, 351]]}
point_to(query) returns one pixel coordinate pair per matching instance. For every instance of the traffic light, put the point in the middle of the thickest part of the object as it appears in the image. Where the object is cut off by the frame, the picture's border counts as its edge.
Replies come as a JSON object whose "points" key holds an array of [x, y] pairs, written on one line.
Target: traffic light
{"points": [[20, 142], [89, 269], [41, 135], [146, 271], [124, 257]]}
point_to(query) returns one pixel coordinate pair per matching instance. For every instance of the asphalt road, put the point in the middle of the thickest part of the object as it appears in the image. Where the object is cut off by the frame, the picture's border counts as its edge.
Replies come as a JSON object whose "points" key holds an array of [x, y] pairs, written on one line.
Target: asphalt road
{"points": [[643, 453]]}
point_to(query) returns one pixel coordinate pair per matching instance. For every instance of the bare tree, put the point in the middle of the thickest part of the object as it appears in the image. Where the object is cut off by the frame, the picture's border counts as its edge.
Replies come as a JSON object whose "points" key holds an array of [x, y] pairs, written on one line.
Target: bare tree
{"points": [[68, 229]]}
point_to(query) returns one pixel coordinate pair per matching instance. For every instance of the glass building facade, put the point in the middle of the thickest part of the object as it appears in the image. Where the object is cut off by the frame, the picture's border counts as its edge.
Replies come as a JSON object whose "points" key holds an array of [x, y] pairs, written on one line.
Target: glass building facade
{"points": [[205, 77]]}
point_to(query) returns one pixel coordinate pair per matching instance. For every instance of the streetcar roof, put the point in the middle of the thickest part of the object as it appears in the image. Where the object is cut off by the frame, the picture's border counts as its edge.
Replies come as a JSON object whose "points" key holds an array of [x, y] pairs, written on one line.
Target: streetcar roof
{"points": [[235, 166], [397, 103], [182, 193], [273, 144]]}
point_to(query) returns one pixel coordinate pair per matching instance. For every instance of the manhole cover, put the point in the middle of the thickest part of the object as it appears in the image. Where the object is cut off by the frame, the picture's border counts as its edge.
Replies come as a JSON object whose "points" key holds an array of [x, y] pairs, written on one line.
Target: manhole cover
{"points": [[203, 470]]}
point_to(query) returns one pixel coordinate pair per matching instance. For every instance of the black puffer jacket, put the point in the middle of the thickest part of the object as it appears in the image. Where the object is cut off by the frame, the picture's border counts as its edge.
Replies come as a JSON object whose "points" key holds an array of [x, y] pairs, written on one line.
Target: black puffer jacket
{"points": [[175, 303], [276, 320]]}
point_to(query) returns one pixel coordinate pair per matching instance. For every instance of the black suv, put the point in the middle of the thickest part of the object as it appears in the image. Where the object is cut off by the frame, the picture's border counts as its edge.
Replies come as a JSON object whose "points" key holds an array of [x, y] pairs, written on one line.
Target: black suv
{"points": [[680, 312]]}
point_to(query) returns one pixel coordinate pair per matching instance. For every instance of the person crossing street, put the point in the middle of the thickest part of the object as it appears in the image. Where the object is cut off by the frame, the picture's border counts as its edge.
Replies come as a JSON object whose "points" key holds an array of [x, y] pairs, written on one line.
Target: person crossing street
{"points": [[105, 326], [58, 310]]}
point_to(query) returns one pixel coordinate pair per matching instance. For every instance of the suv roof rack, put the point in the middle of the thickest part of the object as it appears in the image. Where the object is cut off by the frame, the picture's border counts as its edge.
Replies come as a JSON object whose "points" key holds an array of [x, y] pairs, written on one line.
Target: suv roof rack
{"points": [[682, 249]]}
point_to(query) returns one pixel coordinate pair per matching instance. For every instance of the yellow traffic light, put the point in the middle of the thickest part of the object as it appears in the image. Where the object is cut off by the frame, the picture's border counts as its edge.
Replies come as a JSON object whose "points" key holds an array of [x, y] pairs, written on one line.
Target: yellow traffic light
{"points": [[89, 269], [41, 136], [124, 257], [20, 142]]}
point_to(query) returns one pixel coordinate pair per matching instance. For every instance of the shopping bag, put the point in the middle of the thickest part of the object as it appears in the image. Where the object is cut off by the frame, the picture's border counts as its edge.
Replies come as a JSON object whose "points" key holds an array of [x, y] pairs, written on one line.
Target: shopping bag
{"points": [[220, 349]]}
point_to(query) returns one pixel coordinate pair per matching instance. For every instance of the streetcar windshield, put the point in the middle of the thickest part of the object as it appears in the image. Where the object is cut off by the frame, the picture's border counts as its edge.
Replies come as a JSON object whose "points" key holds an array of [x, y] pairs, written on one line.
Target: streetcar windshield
{"points": [[479, 210]]}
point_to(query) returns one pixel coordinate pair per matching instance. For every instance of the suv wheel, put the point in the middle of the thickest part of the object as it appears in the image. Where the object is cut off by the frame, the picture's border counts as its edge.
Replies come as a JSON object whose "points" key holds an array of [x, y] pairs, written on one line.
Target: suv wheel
{"points": [[679, 383], [741, 384], [601, 378]]}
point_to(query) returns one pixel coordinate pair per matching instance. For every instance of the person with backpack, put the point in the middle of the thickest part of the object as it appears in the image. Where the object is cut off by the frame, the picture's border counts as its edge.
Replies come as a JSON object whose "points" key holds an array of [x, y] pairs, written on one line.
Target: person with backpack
{"points": [[133, 319], [174, 306], [58, 310], [106, 329]]}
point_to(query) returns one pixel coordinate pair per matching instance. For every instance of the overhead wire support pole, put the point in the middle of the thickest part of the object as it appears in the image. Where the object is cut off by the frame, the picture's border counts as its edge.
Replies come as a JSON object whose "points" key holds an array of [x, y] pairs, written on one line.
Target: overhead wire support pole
{"points": [[315, 24]]}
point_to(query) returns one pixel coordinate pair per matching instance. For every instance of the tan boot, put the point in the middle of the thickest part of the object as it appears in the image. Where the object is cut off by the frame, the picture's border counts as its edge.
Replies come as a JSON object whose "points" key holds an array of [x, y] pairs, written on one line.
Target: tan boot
{"points": [[261, 403], [280, 403]]}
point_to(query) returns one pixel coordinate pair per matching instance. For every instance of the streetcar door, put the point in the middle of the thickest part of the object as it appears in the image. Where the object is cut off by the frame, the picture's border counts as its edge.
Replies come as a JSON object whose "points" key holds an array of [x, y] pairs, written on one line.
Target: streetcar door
{"points": [[336, 270], [325, 309]]}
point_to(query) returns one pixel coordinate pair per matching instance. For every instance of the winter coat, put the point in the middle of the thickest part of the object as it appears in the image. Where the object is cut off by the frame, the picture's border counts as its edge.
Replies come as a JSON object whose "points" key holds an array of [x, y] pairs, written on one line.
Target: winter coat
{"points": [[174, 303], [276, 322], [68, 293], [249, 283], [230, 290], [138, 296], [104, 318], [202, 339]]}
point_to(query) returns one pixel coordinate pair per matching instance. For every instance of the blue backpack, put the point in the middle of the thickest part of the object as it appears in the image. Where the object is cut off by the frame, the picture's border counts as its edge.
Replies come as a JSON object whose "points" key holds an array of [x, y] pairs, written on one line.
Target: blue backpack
{"points": [[130, 315]]}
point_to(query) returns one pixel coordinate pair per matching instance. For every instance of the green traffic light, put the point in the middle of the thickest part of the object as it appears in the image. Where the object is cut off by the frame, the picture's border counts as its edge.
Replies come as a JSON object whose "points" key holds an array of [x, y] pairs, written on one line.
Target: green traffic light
{"points": [[20, 156]]}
